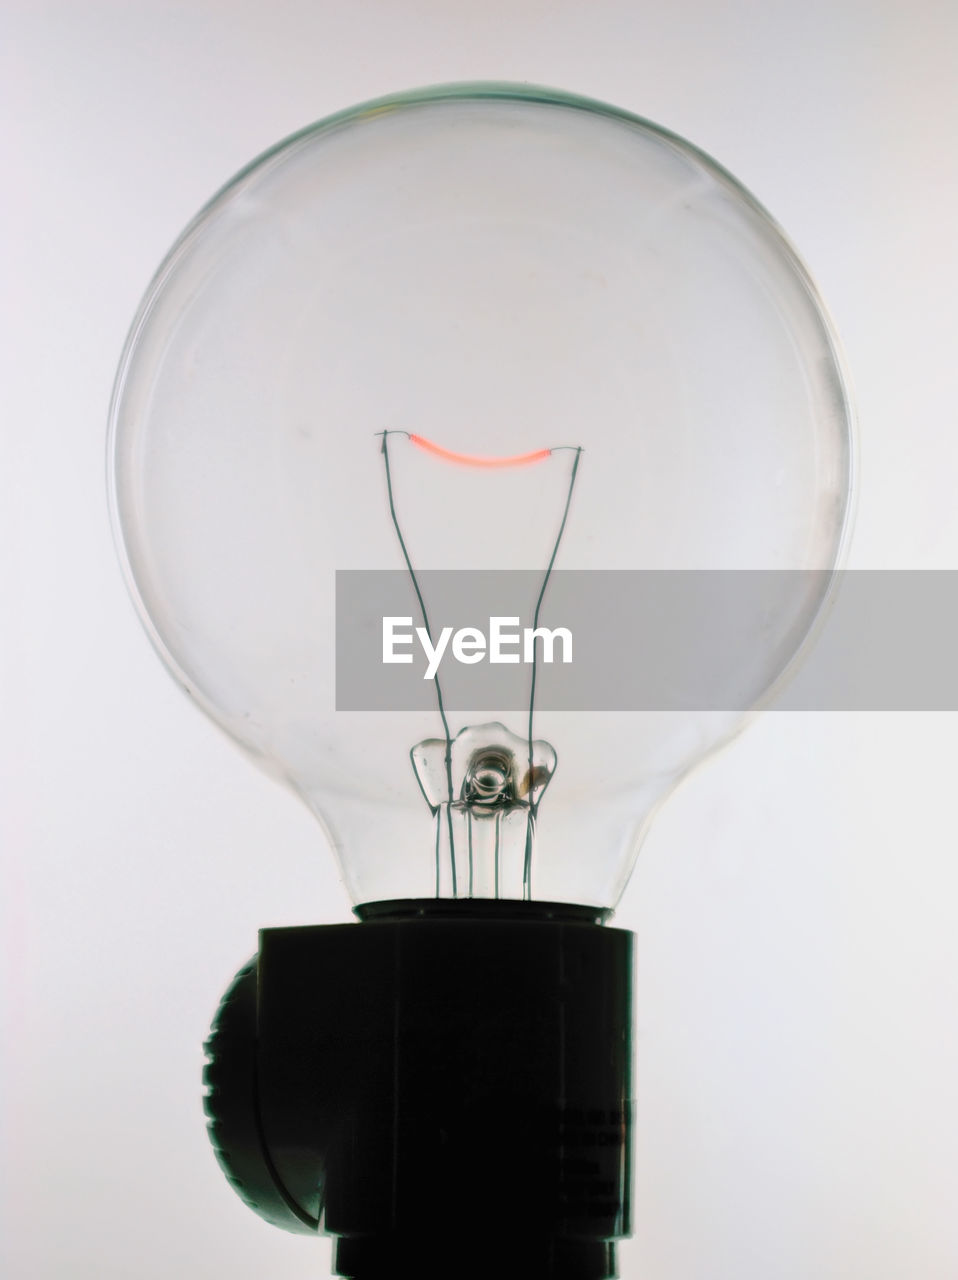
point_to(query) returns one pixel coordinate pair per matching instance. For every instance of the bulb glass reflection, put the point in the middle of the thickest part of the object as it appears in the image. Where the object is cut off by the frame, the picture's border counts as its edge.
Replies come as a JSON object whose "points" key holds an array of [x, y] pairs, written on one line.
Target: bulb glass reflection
{"points": [[507, 282]]}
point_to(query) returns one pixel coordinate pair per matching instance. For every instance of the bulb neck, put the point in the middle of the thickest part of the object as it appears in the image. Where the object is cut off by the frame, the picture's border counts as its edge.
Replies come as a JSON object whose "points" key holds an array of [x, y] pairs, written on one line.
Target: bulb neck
{"points": [[490, 909]]}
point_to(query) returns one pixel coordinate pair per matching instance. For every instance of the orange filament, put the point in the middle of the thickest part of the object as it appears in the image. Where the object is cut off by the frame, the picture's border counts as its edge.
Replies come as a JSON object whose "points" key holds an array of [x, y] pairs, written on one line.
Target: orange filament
{"points": [[474, 460]]}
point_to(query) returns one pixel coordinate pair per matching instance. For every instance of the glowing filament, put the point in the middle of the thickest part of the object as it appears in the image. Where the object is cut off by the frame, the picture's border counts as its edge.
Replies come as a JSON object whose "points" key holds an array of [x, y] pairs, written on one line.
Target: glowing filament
{"points": [[476, 460]]}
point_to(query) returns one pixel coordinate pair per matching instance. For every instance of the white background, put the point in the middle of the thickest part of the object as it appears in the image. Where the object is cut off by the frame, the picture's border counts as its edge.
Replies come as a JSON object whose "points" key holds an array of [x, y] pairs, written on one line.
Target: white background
{"points": [[795, 904]]}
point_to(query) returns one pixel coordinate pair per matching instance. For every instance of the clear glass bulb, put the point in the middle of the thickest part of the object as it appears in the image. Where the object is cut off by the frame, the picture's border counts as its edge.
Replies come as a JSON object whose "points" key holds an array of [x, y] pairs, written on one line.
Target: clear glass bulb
{"points": [[485, 273]]}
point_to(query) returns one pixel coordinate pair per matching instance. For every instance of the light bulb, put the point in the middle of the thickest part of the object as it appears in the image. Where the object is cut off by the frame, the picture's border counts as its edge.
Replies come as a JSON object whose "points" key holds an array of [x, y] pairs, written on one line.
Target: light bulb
{"points": [[408, 420], [500, 271]]}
